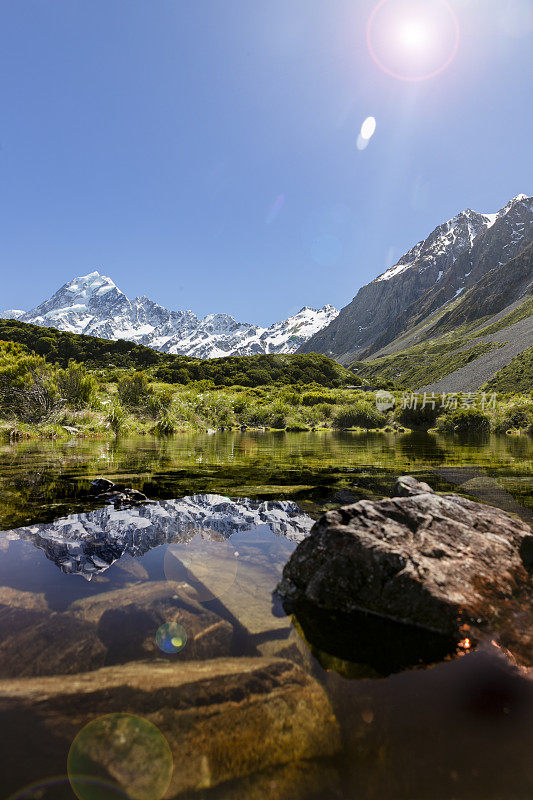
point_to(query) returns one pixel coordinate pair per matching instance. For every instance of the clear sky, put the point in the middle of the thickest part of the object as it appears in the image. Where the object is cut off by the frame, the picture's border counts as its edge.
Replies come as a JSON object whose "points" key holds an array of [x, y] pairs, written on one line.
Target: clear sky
{"points": [[205, 152]]}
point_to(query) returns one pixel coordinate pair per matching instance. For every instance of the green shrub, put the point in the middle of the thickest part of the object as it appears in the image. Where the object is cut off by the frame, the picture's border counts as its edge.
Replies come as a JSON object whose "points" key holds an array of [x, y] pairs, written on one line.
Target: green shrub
{"points": [[273, 415], [325, 410], [215, 410], [159, 402], [464, 420], [116, 418], [418, 418], [76, 386], [134, 390], [317, 398], [166, 423], [517, 415], [28, 388], [291, 397], [358, 415]]}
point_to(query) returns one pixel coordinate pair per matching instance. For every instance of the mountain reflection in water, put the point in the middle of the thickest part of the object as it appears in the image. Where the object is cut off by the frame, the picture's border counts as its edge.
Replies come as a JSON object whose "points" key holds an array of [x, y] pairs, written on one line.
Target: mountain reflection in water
{"points": [[87, 544]]}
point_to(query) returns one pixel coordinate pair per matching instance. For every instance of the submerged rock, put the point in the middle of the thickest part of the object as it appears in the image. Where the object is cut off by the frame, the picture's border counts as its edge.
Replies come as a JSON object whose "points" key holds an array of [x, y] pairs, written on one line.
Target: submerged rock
{"points": [[440, 563], [223, 719], [109, 628], [36, 642], [127, 620]]}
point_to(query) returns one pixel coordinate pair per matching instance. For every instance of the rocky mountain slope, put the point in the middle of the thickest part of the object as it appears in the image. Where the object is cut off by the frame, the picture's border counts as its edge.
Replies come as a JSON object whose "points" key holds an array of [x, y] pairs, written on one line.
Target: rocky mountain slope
{"points": [[92, 304], [470, 258], [467, 342]]}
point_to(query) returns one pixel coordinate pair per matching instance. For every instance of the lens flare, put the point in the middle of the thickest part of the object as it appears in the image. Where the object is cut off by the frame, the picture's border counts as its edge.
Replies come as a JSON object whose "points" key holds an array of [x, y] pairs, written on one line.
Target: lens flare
{"points": [[368, 128], [129, 750], [275, 209], [48, 789], [413, 40], [171, 637]]}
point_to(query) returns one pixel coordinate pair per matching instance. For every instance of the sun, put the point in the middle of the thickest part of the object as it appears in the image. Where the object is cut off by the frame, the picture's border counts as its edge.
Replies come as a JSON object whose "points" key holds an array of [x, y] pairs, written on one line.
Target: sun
{"points": [[414, 34], [412, 40]]}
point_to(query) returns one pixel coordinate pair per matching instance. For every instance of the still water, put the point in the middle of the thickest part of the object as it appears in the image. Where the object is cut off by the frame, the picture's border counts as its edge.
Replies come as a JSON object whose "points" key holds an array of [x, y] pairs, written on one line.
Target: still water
{"points": [[143, 655]]}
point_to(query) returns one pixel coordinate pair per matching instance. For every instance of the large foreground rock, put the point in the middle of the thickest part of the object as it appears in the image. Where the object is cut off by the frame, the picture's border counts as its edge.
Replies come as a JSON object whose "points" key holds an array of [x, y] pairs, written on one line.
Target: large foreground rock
{"points": [[441, 563], [223, 719]]}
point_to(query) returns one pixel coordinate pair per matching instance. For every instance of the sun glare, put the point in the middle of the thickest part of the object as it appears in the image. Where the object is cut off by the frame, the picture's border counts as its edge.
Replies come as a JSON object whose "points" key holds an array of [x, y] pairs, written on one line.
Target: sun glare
{"points": [[413, 40], [414, 34]]}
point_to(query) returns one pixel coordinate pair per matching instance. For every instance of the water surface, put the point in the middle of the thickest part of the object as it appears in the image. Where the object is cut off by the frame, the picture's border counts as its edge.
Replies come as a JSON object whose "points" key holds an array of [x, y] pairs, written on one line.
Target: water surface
{"points": [[86, 586]]}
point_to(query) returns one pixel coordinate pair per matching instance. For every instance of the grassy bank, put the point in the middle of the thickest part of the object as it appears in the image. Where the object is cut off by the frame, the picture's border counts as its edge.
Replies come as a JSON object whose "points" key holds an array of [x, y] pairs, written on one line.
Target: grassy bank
{"points": [[40, 398], [135, 405]]}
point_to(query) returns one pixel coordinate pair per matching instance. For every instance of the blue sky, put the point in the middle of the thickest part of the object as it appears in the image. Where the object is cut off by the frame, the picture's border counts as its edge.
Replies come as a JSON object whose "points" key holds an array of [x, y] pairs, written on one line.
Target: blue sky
{"points": [[204, 153]]}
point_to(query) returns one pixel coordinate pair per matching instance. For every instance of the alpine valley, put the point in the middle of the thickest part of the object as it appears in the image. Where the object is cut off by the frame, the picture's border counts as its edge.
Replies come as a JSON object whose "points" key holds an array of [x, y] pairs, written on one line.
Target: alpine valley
{"points": [[455, 311]]}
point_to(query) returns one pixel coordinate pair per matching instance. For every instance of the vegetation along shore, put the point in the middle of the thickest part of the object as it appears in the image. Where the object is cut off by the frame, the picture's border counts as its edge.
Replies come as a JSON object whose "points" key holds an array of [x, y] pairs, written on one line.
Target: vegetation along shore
{"points": [[58, 384]]}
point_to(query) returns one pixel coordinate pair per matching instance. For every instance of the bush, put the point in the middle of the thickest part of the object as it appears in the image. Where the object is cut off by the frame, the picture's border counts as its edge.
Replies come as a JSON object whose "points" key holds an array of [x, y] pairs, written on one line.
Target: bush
{"points": [[166, 423], [159, 402], [28, 389], [325, 410], [134, 390], [215, 410], [517, 415], [116, 418], [418, 418], [273, 415], [76, 386], [464, 420], [316, 398], [358, 415]]}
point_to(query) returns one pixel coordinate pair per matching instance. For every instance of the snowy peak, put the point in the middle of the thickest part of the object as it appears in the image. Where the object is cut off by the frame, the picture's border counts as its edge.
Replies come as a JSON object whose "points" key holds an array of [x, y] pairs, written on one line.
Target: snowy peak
{"points": [[92, 304], [456, 236], [435, 272]]}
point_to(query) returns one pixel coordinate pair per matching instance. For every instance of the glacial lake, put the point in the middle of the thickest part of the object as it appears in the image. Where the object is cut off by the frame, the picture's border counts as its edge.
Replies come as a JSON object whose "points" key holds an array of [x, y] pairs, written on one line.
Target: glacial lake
{"points": [[167, 609]]}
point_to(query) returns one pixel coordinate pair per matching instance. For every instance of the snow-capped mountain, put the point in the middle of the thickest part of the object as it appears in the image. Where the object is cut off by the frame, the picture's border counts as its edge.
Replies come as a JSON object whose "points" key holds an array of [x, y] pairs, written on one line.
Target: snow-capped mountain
{"points": [[436, 271], [92, 304], [86, 544]]}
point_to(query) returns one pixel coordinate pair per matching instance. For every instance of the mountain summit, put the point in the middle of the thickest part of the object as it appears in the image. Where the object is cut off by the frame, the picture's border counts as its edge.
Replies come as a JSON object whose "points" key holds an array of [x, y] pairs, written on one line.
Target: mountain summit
{"points": [[92, 304]]}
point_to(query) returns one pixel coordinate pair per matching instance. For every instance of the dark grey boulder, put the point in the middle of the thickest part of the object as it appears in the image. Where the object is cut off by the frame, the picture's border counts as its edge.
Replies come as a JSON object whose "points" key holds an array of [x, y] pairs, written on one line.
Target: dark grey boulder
{"points": [[116, 493], [440, 563], [102, 485]]}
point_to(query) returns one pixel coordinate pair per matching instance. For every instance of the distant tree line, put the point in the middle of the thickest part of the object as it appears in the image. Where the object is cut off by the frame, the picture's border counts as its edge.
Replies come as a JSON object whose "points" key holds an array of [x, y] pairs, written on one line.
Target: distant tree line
{"points": [[61, 347]]}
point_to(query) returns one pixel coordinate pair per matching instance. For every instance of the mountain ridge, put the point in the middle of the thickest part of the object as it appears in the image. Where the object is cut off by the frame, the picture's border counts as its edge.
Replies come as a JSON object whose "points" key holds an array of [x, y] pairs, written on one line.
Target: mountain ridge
{"points": [[93, 305], [431, 276]]}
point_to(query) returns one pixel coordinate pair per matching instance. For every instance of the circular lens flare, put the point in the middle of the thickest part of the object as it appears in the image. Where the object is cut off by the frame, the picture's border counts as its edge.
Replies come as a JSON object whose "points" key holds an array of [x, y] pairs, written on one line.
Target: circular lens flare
{"points": [[130, 751], [171, 637], [413, 40]]}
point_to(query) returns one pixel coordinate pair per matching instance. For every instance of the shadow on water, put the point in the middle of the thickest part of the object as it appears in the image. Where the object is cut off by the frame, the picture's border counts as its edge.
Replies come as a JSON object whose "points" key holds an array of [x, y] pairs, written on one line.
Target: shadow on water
{"points": [[361, 644]]}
